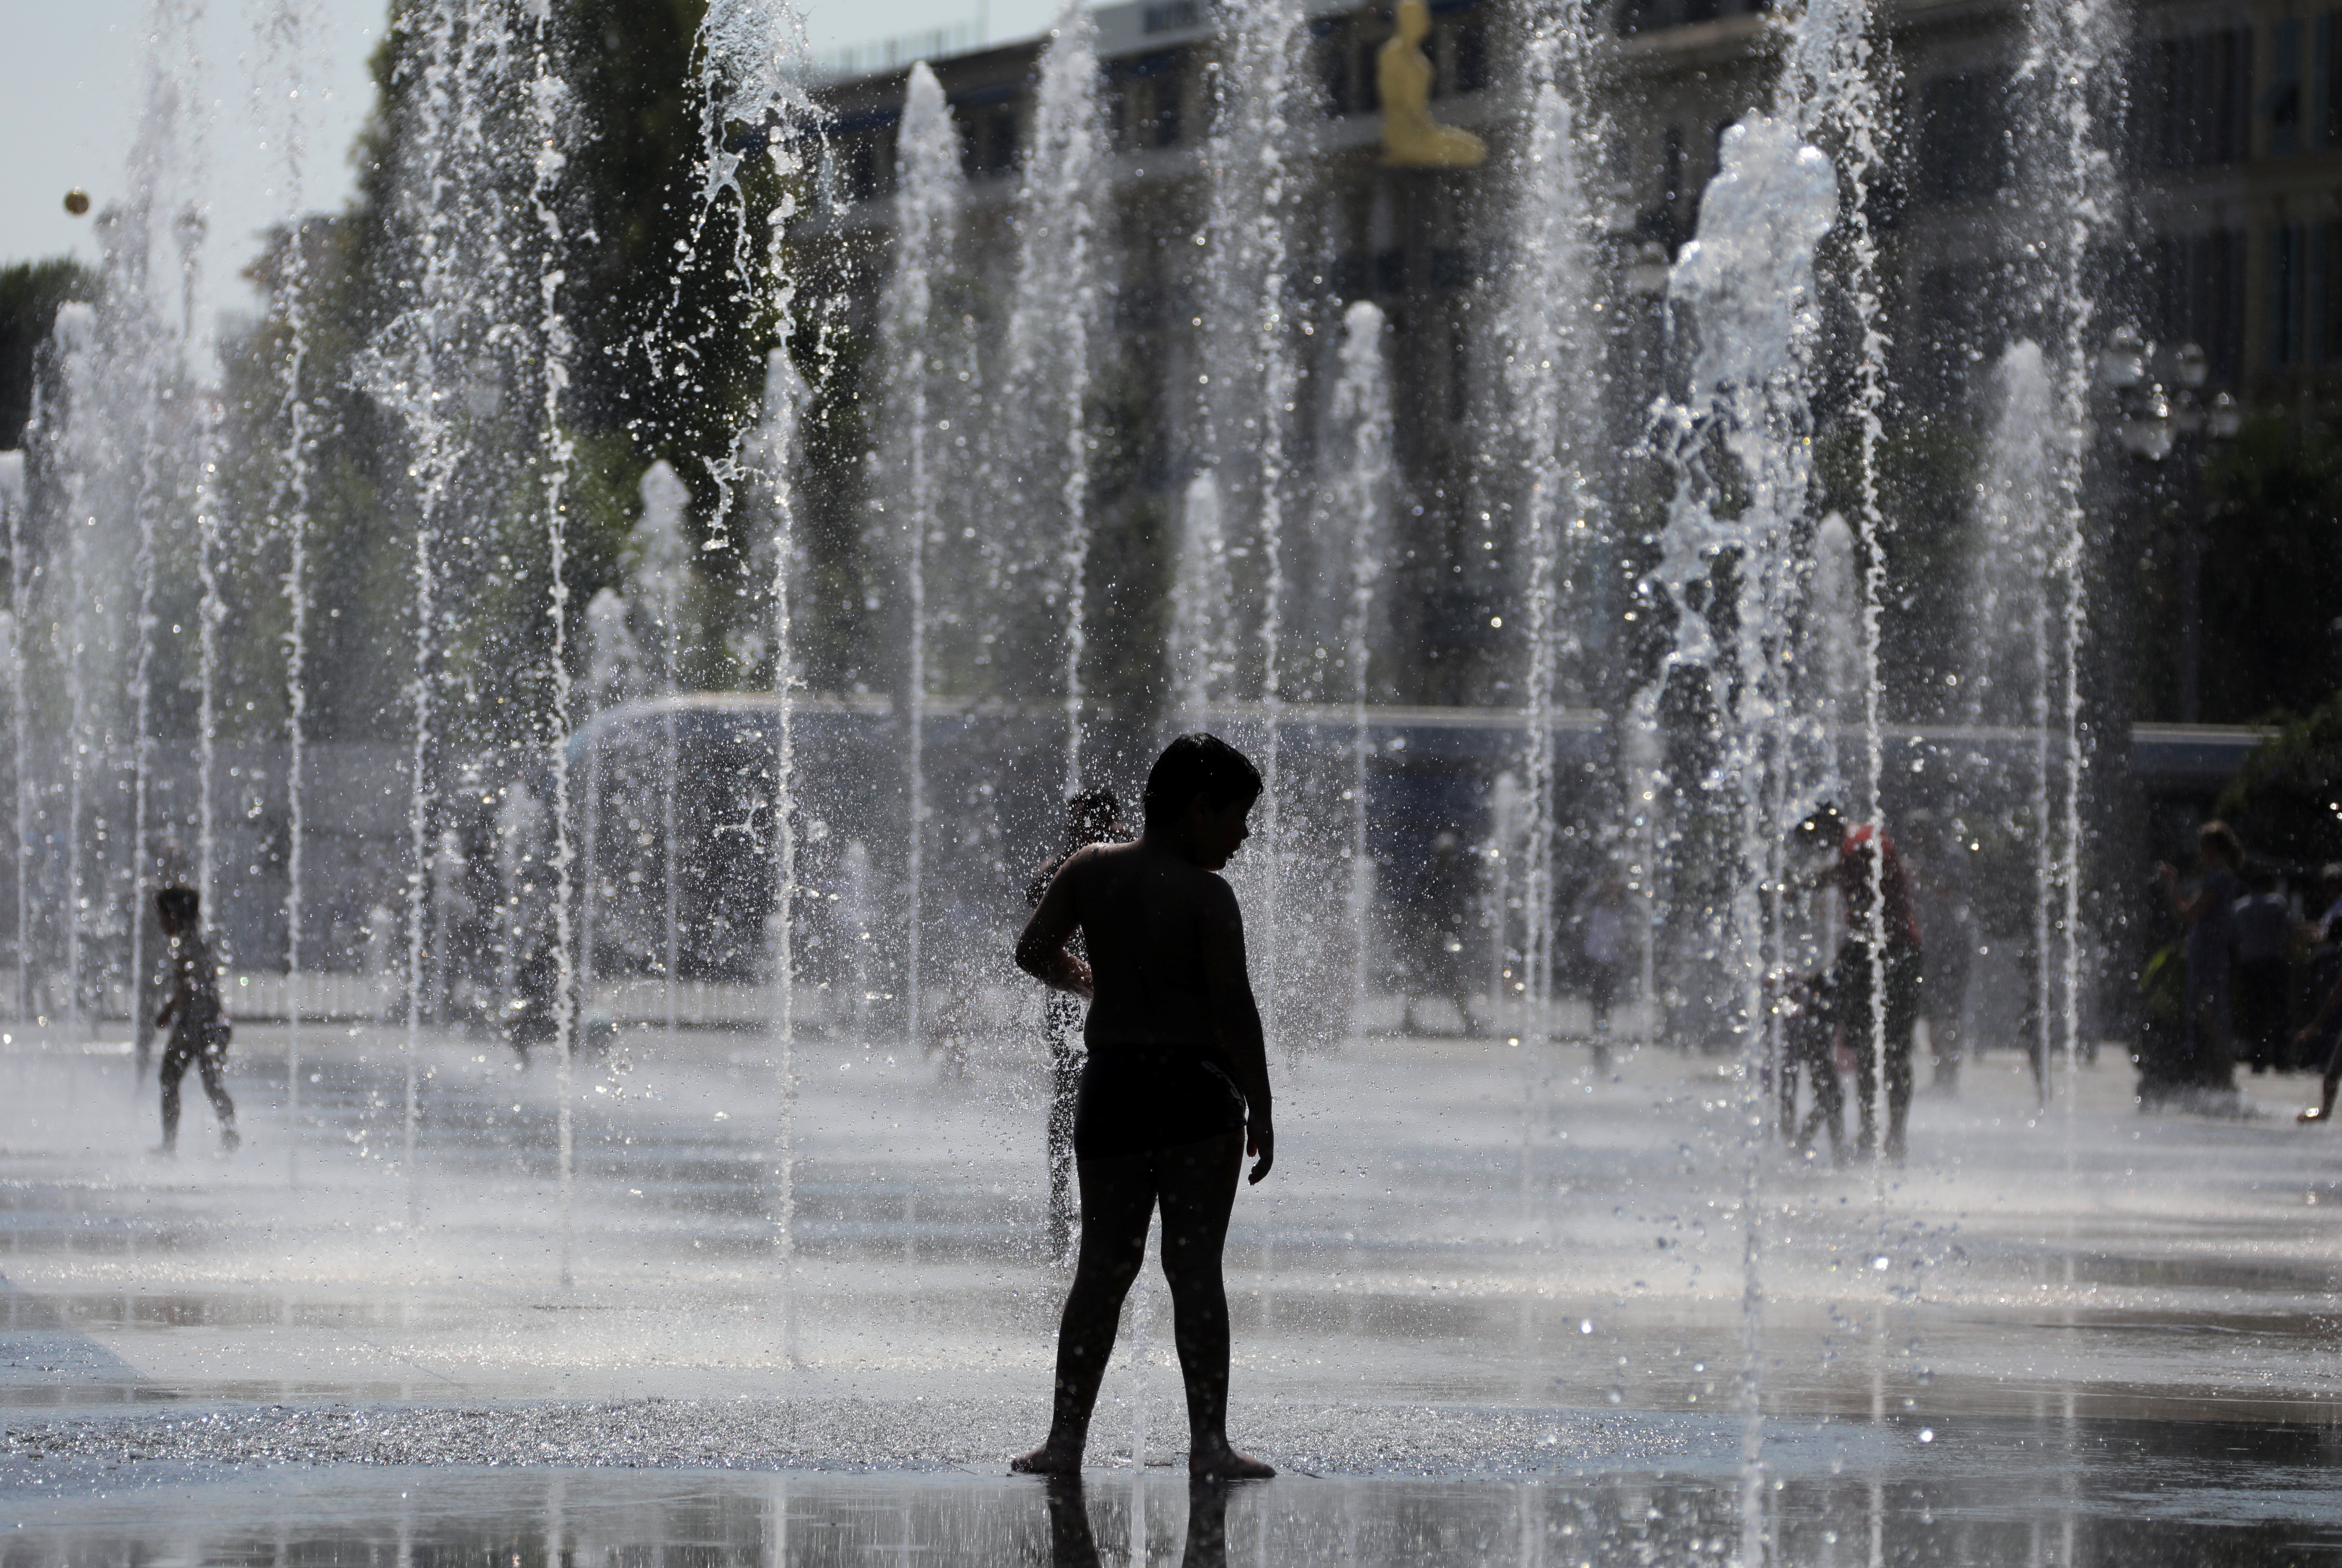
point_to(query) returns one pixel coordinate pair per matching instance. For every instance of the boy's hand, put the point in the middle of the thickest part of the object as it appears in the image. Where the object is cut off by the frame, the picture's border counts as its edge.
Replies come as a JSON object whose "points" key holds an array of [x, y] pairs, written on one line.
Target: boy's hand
{"points": [[1260, 1138]]}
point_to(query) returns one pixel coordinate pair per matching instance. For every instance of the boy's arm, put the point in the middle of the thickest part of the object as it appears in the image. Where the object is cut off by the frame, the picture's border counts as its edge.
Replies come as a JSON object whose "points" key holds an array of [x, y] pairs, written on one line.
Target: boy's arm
{"points": [[1237, 1016], [1041, 948]]}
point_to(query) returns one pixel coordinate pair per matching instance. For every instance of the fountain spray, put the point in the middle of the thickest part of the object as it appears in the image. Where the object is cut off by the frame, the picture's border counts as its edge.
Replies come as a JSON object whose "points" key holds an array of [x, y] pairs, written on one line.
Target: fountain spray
{"points": [[2069, 191], [12, 506], [1250, 345], [783, 408], [658, 580], [1747, 284], [750, 53], [1550, 298], [928, 168], [547, 93], [1362, 490], [1200, 594], [418, 389], [284, 35], [1053, 319]]}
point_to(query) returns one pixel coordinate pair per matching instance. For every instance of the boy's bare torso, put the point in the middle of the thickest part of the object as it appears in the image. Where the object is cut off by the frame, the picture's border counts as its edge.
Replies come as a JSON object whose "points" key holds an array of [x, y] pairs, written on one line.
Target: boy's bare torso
{"points": [[1164, 939]]}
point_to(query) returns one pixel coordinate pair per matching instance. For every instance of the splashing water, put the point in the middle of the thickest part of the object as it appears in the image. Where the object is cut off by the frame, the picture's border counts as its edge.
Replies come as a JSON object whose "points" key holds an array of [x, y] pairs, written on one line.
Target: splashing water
{"points": [[1746, 288], [661, 567], [547, 96], [2070, 195], [1251, 377], [1201, 658], [284, 32], [927, 205], [1361, 491], [1052, 322], [12, 509], [1550, 298]]}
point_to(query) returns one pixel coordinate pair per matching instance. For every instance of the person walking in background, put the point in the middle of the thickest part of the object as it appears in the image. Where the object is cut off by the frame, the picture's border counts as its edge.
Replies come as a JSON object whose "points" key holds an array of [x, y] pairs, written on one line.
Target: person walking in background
{"points": [[1602, 943], [1938, 862], [1176, 1088], [192, 1012], [2208, 918], [1091, 817], [1865, 856], [2322, 935], [2264, 931], [1442, 964]]}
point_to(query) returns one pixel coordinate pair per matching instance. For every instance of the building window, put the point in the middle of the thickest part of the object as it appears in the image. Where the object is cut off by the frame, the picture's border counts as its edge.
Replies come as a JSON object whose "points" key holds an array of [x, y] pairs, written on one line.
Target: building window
{"points": [[2197, 294], [1469, 53], [988, 140], [1148, 112], [2326, 69], [1333, 40], [1962, 149], [2198, 99], [2301, 290], [2282, 99], [1653, 16]]}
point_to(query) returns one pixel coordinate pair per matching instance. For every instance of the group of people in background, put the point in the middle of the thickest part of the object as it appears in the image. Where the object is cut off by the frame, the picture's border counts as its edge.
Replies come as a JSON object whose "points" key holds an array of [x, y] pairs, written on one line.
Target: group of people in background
{"points": [[2262, 980]]}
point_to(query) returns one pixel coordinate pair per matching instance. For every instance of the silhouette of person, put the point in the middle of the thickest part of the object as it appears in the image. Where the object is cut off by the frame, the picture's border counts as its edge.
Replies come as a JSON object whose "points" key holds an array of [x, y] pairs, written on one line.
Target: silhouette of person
{"points": [[1072, 1544], [2208, 915], [1174, 1093], [1865, 855], [192, 1010], [1091, 817]]}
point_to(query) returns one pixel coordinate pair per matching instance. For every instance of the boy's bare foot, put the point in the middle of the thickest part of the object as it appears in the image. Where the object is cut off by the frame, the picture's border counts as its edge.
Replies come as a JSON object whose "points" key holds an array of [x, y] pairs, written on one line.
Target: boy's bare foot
{"points": [[1227, 1464], [1047, 1461]]}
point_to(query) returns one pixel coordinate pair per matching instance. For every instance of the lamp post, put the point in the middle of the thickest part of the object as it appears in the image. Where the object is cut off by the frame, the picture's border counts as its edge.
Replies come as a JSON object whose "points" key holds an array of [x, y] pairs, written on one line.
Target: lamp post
{"points": [[2153, 421]]}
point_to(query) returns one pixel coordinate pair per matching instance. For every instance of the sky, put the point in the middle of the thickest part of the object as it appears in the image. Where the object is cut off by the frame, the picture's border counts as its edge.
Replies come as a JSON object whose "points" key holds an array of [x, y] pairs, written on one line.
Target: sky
{"points": [[73, 77]]}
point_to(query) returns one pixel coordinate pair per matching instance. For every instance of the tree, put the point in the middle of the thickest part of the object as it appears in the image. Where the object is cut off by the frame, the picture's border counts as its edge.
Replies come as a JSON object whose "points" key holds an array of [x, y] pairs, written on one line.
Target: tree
{"points": [[2271, 606], [30, 293]]}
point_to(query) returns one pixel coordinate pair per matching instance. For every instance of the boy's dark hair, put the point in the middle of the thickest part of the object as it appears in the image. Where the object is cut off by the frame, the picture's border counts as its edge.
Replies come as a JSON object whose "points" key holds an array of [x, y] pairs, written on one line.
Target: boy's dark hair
{"points": [[1199, 764], [178, 905], [2223, 838]]}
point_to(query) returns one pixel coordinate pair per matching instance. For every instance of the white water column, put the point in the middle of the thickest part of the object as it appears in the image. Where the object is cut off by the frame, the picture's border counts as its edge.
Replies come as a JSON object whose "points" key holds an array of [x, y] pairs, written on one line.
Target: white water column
{"points": [[910, 468]]}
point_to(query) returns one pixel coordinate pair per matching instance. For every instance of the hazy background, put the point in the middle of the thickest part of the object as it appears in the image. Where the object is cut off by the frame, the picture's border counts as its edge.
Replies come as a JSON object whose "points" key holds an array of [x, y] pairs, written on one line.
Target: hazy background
{"points": [[72, 78]]}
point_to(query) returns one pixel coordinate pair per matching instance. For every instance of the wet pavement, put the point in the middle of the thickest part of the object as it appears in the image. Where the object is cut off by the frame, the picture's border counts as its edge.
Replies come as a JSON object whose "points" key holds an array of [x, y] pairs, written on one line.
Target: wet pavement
{"points": [[1488, 1308]]}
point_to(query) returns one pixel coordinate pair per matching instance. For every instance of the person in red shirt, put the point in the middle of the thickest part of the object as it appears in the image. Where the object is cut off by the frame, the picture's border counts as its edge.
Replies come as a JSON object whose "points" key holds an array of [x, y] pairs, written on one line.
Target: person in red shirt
{"points": [[1866, 858]]}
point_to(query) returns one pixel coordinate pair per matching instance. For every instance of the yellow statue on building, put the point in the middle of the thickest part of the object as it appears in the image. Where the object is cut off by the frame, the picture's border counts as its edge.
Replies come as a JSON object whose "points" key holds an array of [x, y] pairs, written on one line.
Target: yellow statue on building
{"points": [[1411, 138]]}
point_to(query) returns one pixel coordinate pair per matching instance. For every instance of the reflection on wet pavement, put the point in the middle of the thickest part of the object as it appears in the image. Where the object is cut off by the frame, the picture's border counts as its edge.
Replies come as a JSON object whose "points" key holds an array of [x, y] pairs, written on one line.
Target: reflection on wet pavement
{"points": [[1493, 1304]]}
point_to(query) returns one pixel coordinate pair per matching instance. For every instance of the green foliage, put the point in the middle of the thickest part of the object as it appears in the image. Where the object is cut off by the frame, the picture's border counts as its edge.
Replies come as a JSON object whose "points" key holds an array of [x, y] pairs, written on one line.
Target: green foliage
{"points": [[2287, 800], [2272, 626], [30, 293]]}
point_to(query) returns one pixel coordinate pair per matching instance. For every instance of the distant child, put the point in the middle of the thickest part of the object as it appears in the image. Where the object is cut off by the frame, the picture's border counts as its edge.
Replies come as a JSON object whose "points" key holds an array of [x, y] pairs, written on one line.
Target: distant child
{"points": [[198, 1024], [2208, 915], [1091, 817], [1863, 856]]}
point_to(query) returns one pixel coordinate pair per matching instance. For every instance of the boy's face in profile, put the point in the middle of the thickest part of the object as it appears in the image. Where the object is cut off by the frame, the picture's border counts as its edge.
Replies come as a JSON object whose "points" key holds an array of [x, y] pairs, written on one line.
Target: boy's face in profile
{"points": [[1215, 832]]}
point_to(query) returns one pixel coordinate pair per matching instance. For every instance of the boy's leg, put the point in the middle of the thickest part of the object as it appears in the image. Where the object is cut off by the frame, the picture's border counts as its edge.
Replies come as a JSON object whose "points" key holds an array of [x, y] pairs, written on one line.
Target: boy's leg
{"points": [[1117, 1201], [1199, 1191], [213, 1064], [1198, 1183], [176, 1057]]}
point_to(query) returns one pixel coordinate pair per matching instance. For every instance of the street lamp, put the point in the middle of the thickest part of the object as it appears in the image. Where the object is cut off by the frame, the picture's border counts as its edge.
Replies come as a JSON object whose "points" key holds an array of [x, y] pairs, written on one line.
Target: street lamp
{"points": [[2152, 422]]}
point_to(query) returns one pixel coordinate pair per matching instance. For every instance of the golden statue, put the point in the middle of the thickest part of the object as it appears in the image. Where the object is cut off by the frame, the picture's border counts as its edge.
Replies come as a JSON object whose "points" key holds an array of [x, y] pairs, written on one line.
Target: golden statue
{"points": [[1411, 138]]}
